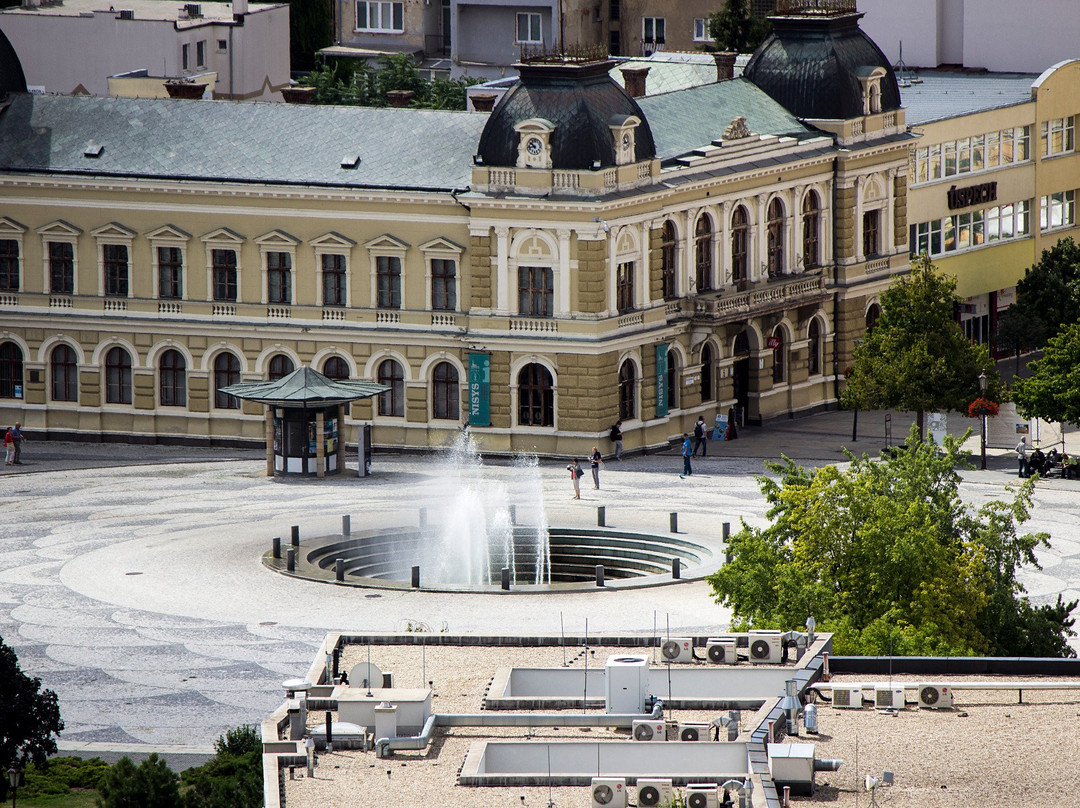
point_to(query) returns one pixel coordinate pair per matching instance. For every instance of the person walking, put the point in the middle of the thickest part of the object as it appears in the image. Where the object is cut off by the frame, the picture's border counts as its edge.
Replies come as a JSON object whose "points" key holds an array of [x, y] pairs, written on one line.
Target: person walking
{"points": [[700, 437], [17, 436], [616, 438], [595, 460], [576, 471], [687, 453], [9, 449], [1021, 456]]}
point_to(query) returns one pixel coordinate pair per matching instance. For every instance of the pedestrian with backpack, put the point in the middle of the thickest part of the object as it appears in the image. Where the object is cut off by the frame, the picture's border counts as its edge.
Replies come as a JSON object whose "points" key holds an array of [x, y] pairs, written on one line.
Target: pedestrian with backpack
{"points": [[700, 436], [576, 472], [616, 438]]}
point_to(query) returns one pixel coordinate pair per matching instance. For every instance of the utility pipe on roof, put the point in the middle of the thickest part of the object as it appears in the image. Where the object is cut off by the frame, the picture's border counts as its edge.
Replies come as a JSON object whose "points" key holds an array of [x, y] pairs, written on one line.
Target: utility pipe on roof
{"points": [[1056, 685]]}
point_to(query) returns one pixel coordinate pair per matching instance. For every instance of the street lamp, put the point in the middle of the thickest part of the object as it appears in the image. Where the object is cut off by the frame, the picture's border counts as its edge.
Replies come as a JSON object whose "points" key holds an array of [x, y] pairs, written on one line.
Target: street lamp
{"points": [[982, 393], [14, 780]]}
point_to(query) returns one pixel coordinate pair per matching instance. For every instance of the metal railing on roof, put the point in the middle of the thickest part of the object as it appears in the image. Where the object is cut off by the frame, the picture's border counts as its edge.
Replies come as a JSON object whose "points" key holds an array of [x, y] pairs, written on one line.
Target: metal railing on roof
{"points": [[815, 7]]}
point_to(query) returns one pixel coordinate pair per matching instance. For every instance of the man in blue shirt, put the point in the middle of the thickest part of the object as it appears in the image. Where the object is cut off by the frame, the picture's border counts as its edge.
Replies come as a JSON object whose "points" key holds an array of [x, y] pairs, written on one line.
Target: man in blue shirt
{"points": [[687, 451]]}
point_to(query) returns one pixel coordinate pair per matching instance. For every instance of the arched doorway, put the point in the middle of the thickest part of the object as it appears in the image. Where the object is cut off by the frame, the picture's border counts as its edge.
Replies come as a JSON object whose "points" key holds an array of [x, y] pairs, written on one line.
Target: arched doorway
{"points": [[741, 376]]}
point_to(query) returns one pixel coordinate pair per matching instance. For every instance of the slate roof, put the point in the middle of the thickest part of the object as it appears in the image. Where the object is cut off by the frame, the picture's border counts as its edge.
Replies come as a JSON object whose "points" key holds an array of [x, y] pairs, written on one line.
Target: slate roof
{"points": [[232, 141], [305, 388], [689, 119], [943, 95]]}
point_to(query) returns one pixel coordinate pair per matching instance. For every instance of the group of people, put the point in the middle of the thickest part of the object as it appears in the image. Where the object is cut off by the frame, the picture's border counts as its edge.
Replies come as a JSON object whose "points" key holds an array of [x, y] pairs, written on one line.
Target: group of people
{"points": [[577, 472], [13, 440], [1044, 464]]}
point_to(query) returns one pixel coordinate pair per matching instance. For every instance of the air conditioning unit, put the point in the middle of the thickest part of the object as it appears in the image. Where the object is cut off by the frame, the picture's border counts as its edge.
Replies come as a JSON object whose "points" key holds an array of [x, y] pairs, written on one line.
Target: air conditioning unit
{"points": [[654, 793], [677, 649], [935, 697], [694, 732], [766, 646], [649, 731], [889, 698], [722, 652], [608, 792], [702, 795], [847, 697]]}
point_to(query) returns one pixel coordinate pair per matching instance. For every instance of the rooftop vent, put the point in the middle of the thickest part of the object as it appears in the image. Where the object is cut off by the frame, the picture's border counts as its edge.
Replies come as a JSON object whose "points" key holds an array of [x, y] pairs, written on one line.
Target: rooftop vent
{"points": [[126, 14], [193, 10], [93, 150], [350, 161]]}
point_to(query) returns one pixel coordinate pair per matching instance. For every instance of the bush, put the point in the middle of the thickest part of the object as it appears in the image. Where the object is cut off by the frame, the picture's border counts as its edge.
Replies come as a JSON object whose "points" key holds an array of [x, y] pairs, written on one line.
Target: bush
{"points": [[233, 778], [61, 774]]}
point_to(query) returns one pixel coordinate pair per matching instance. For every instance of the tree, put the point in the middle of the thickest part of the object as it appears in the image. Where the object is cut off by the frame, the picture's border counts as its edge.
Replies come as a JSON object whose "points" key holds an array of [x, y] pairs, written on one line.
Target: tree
{"points": [[233, 778], [29, 718], [310, 28], [735, 28], [1048, 296], [1052, 392], [887, 557], [917, 358], [152, 784]]}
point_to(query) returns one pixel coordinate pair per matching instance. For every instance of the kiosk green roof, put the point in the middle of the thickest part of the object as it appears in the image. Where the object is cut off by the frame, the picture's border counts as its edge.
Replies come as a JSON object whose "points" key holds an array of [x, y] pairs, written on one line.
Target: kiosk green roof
{"points": [[305, 388]]}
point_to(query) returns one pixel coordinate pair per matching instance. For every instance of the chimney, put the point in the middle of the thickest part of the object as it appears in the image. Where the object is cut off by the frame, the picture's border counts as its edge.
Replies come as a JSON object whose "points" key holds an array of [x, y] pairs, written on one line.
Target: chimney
{"points": [[399, 98], [184, 89], [634, 79], [239, 7], [298, 95], [483, 102], [725, 65]]}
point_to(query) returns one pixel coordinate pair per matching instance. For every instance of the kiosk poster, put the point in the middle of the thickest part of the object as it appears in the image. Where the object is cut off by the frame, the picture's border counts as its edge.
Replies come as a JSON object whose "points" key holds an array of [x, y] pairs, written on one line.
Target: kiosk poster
{"points": [[720, 427]]}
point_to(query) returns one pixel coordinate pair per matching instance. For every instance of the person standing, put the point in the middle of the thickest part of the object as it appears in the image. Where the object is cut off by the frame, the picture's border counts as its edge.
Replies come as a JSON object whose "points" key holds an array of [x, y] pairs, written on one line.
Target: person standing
{"points": [[1021, 456], [17, 436], [700, 436], [9, 449], [595, 460], [575, 476], [616, 438], [687, 452]]}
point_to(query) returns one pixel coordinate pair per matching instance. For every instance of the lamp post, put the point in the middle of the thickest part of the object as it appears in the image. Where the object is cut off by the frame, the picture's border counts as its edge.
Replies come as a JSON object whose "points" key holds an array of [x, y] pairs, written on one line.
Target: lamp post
{"points": [[14, 778], [982, 393]]}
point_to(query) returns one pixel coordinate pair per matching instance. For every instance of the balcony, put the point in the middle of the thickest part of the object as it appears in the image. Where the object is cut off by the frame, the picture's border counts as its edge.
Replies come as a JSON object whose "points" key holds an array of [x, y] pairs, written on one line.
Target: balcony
{"points": [[761, 298]]}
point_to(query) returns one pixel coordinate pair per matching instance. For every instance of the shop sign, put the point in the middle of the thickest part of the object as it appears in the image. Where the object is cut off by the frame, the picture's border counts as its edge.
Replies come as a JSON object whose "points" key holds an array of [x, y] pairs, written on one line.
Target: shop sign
{"points": [[972, 195]]}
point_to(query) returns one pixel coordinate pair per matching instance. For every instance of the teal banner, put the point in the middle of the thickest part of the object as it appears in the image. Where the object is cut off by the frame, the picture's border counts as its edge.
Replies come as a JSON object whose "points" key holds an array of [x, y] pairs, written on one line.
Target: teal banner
{"points": [[479, 389], [661, 381]]}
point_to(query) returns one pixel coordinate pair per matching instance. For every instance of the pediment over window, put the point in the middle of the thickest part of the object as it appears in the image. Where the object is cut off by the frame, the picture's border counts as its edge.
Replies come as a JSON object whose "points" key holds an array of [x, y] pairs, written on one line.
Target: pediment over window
{"points": [[113, 230], [332, 239], [387, 242], [223, 235], [277, 238], [10, 227], [441, 244], [168, 233], [59, 229]]}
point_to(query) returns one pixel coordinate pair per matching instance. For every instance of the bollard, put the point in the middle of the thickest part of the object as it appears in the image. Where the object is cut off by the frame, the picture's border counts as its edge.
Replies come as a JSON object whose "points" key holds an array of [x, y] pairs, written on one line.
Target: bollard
{"points": [[674, 519], [276, 547], [346, 525], [676, 572], [296, 535], [423, 517], [416, 577], [513, 513], [339, 569], [599, 574], [601, 516], [504, 578], [290, 560], [329, 729], [726, 531]]}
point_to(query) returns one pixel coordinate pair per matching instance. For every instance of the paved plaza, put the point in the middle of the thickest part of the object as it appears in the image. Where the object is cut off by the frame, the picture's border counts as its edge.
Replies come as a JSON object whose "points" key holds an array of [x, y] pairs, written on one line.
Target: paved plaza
{"points": [[131, 582]]}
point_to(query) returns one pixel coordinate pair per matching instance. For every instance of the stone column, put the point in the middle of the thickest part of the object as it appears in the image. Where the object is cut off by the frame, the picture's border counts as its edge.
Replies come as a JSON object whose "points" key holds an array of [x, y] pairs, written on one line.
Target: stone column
{"points": [[269, 441], [562, 298], [502, 270]]}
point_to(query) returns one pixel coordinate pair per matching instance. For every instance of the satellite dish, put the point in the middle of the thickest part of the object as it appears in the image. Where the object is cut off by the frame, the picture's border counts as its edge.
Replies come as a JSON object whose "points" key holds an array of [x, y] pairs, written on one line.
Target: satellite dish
{"points": [[365, 674]]}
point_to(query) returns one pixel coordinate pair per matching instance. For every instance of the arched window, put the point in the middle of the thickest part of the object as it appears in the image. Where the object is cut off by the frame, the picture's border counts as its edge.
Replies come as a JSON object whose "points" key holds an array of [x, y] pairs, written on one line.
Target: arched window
{"points": [[707, 389], [627, 391], [117, 376], [813, 360], [280, 366], [445, 395], [740, 238], [774, 224], [11, 370], [872, 315], [668, 256], [811, 217], [392, 402], [536, 396], [65, 374], [335, 368], [703, 253], [226, 372], [778, 355], [672, 380], [172, 379]]}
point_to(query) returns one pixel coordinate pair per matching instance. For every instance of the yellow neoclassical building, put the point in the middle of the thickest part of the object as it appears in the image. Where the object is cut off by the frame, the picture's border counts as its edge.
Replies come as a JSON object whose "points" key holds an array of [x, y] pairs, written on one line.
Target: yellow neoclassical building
{"points": [[576, 257]]}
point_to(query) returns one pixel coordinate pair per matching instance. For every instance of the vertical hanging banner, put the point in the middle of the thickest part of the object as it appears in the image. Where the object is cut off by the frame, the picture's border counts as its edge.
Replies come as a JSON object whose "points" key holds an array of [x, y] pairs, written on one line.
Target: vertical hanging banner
{"points": [[479, 389], [661, 381]]}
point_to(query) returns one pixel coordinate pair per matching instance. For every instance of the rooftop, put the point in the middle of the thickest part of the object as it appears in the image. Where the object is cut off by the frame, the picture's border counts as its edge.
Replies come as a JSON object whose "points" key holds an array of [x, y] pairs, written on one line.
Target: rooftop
{"points": [[141, 10], [940, 95]]}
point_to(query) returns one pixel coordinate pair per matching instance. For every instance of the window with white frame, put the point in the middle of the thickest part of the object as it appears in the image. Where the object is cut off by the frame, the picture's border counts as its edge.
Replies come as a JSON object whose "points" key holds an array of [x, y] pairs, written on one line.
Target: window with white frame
{"points": [[333, 279], [380, 17], [528, 29], [9, 265], [1057, 136], [1057, 210], [972, 154], [701, 30], [652, 31], [972, 229]]}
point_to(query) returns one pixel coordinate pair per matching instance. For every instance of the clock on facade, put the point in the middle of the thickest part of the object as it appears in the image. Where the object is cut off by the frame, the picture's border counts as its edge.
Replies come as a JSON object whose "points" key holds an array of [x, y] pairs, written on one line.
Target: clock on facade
{"points": [[626, 140], [534, 146]]}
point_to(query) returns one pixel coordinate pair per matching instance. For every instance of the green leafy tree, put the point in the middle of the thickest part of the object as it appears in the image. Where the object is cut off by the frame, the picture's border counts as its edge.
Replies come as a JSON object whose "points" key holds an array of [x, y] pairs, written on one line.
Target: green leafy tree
{"points": [[29, 718], [310, 28], [917, 358], [1015, 332], [887, 556], [151, 784], [233, 778], [735, 28], [1052, 392], [1048, 296]]}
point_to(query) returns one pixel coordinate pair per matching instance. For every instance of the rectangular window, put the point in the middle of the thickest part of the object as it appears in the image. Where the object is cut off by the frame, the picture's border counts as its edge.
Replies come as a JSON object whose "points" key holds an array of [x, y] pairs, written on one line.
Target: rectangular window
{"points": [[934, 162], [224, 263], [528, 29], [279, 278], [1022, 135], [624, 286], [116, 269], [870, 237], [1057, 210], [200, 53], [701, 30], [333, 269], [185, 57], [948, 153], [61, 268], [1057, 136], [170, 272], [443, 284], [379, 16], [993, 150], [388, 278], [9, 265], [222, 45], [536, 291], [922, 165], [978, 153], [928, 237], [652, 30]]}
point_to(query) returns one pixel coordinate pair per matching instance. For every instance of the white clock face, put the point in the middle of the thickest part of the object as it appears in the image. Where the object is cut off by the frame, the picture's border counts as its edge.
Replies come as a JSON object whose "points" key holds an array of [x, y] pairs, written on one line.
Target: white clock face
{"points": [[534, 146], [626, 140]]}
